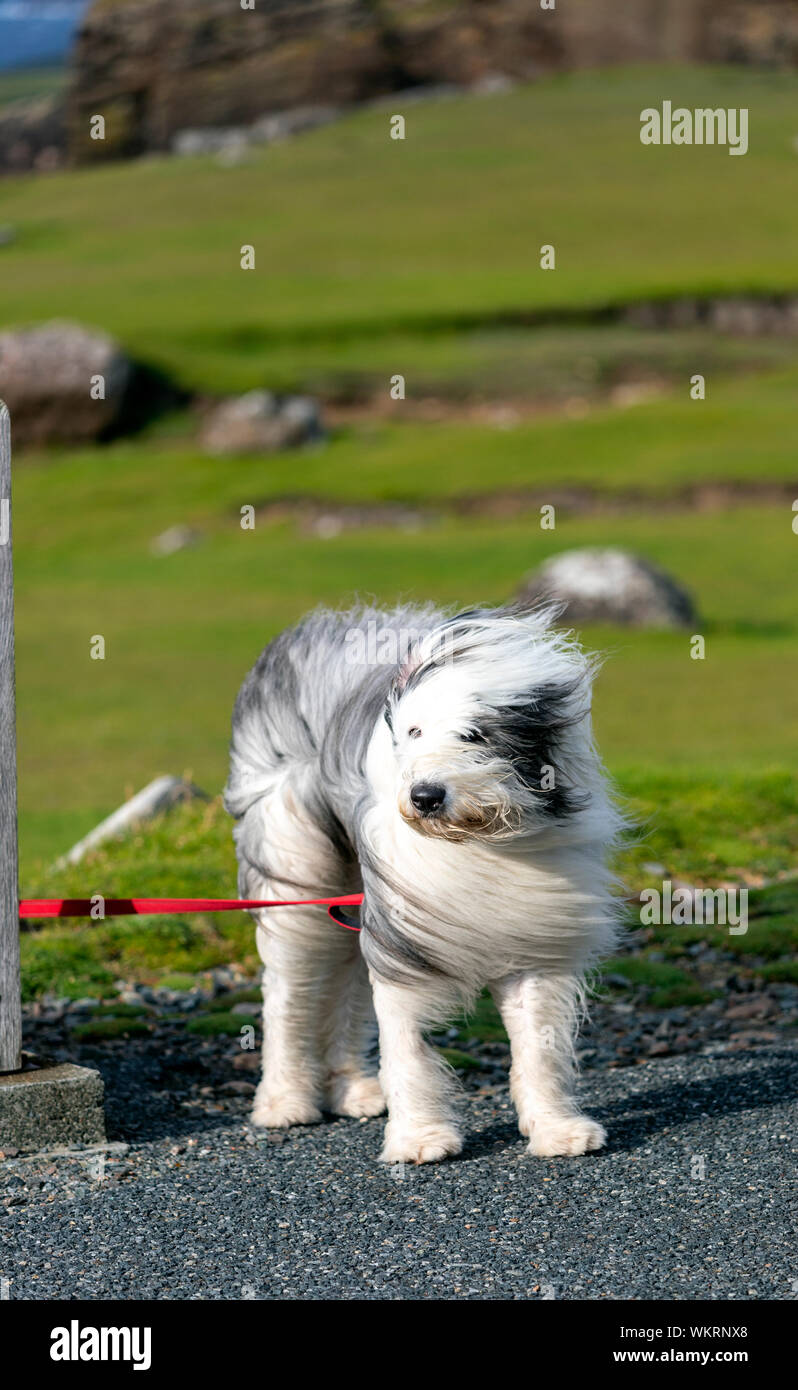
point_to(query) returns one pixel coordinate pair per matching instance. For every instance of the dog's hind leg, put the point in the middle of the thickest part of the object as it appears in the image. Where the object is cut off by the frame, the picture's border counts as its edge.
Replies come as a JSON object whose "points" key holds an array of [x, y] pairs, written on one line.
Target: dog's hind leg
{"points": [[296, 954], [304, 953], [318, 1021], [540, 1014], [351, 1085]]}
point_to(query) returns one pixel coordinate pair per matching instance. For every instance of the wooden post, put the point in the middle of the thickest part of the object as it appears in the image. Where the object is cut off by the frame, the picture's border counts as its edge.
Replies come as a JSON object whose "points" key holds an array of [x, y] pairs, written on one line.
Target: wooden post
{"points": [[10, 1003]]}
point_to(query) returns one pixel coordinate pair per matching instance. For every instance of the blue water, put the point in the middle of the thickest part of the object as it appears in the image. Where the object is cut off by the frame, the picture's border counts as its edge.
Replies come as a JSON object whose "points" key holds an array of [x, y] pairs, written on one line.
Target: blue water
{"points": [[35, 33]]}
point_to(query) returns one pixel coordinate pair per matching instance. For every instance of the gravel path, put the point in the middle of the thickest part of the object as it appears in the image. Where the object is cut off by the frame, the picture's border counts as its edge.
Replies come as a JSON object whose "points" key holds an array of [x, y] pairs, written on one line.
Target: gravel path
{"points": [[694, 1198]]}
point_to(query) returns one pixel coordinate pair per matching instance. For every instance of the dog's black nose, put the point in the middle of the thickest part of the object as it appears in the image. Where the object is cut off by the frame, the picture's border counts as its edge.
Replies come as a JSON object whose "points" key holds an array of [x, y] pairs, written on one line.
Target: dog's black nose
{"points": [[427, 797]]}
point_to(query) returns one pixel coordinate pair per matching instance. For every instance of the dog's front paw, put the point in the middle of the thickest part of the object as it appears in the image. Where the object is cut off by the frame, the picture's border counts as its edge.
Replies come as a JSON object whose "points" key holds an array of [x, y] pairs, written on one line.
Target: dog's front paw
{"points": [[567, 1134], [281, 1110], [357, 1096], [421, 1144]]}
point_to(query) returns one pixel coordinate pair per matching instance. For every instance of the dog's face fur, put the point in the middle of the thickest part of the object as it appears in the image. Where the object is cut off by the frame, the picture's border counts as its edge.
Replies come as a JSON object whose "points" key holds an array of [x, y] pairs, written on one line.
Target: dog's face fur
{"points": [[479, 735]]}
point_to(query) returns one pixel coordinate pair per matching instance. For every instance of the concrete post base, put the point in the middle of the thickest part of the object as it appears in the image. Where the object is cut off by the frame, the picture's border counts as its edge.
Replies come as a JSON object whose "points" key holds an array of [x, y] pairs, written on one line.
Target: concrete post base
{"points": [[52, 1107]]}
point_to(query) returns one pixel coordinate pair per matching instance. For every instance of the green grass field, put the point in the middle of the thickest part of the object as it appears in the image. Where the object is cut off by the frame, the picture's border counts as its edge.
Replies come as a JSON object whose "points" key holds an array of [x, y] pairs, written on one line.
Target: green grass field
{"points": [[363, 239], [23, 84], [373, 258], [697, 830], [181, 630]]}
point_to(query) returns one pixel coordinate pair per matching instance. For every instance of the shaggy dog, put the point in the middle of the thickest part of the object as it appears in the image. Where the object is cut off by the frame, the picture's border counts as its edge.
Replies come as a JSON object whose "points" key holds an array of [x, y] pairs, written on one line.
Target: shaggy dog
{"points": [[445, 767]]}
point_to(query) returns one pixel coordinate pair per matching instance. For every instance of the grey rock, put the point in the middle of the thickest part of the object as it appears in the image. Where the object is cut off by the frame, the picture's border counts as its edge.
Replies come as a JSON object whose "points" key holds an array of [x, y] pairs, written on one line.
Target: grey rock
{"points": [[743, 316], [83, 1006], [223, 978], [187, 1002], [280, 125], [610, 586], [228, 142], [785, 991], [176, 538], [492, 83], [147, 994], [302, 414], [209, 141], [158, 796], [260, 422], [54, 1008], [46, 378]]}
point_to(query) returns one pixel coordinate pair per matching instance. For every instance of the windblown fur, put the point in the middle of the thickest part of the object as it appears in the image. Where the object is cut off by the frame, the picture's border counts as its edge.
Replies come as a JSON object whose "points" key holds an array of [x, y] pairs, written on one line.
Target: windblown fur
{"points": [[446, 765]]}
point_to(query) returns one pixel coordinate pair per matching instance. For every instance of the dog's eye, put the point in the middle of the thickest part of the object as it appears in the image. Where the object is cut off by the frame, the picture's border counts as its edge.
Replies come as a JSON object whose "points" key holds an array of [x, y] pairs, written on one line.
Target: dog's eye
{"points": [[414, 732]]}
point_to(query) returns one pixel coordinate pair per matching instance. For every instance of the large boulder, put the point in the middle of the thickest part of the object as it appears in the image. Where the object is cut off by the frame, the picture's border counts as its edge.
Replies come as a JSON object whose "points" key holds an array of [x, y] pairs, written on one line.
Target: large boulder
{"points": [[261, 423], [610, 586], [50, 381]]}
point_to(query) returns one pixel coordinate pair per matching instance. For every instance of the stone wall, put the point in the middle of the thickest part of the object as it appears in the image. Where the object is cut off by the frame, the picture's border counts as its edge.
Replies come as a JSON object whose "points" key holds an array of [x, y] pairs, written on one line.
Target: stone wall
{"points": [[32, 134], [155, 67]]}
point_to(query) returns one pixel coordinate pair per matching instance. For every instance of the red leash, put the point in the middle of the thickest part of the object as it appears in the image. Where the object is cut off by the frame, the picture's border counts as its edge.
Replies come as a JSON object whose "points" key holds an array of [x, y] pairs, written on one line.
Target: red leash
{"points": [[126, 907]]}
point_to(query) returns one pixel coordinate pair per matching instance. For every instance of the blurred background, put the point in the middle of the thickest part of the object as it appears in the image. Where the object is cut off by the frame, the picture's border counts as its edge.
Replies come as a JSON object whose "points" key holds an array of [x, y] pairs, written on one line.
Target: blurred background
{"points": [[399, 385]]}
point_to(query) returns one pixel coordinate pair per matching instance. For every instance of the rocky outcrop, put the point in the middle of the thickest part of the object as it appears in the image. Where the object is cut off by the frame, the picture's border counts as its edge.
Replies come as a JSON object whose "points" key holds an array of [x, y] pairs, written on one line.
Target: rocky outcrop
{"points": [[62, 383], [746, 316], [153, 70], [32, 135], [610, 586]]}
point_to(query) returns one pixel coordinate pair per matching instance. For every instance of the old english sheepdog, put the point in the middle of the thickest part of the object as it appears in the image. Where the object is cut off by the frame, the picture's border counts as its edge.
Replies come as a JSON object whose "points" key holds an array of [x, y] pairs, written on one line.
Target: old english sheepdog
{"points": [[443, 765]]}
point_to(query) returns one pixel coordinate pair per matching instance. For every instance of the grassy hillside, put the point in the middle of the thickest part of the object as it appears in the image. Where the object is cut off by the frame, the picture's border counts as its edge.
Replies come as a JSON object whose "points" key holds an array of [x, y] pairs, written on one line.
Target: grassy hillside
{"points": [[692, 831], [376, 257], [181, 630], [360, 237]]}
